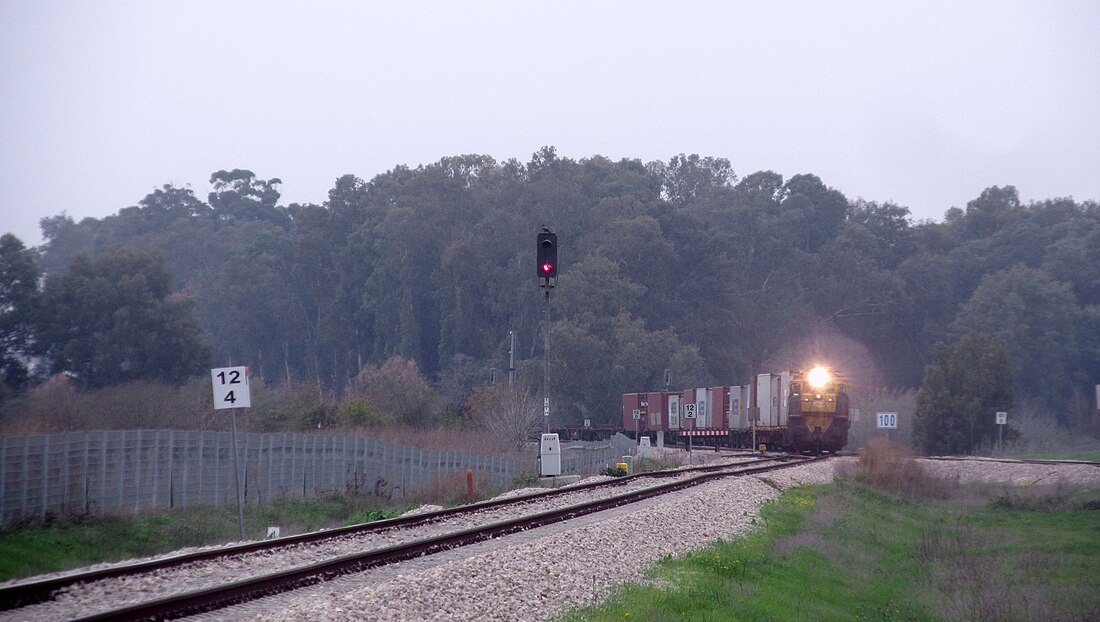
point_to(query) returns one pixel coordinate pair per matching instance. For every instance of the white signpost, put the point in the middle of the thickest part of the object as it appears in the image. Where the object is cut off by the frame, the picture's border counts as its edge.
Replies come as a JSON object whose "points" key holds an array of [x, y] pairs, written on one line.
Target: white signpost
{"points": [[231, 391], [887, 421], [1002, 419], [689, 413], [231, 388]]}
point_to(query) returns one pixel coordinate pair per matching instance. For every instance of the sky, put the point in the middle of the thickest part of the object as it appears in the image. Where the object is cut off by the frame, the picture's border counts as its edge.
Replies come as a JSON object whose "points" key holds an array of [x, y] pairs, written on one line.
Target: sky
{"points": [[921, 103]]}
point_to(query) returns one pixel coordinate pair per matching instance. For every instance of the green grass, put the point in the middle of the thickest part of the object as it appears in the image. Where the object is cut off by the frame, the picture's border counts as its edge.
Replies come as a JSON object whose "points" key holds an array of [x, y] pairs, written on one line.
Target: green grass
{"points": [[62, 544], [846, 551]]}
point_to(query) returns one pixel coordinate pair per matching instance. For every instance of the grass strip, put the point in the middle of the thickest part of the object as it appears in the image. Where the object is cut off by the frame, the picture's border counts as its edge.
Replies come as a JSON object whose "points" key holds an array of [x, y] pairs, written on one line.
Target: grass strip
{"points": [[848, 551], [73, 542]]}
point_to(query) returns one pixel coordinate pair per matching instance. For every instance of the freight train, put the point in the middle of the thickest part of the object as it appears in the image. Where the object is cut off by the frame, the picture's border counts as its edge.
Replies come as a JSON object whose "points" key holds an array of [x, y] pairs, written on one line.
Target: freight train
{"points": [[789, 410]]}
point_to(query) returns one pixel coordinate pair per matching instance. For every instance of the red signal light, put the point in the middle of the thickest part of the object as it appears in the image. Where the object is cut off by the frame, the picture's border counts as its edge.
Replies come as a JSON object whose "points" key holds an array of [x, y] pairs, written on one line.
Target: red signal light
{"points": [[546, 268]]}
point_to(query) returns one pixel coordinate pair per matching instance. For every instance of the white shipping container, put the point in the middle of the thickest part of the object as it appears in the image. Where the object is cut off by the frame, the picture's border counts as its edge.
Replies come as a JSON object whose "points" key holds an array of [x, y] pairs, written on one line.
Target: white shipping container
{"points": [[702, 418], [765, 400], [784, 392], [744, 417]]}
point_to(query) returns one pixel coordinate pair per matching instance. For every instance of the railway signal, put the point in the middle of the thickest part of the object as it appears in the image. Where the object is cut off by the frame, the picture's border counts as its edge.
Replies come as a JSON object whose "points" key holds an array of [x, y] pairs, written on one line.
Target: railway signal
{"points": [[547, 244]]}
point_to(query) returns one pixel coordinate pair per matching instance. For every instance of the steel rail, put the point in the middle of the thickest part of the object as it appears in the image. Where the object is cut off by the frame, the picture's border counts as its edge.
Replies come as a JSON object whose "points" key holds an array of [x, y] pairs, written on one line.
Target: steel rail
{"points": [[210, 599], [36, 591]]}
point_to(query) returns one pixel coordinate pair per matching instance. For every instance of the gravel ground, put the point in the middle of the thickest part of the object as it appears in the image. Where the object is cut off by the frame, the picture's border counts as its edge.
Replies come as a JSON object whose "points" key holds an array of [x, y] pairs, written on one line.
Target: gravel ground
{"points": [[536, 575], [541, 577], [87, 599], [1022, 474]]}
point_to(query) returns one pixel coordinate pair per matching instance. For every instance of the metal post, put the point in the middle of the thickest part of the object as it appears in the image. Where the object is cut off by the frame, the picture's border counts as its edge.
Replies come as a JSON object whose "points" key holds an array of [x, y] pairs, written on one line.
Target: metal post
{"points": [[237, 474], [754, 445], [546, 356], [512, 358], [1000, 439], [689, 441]]}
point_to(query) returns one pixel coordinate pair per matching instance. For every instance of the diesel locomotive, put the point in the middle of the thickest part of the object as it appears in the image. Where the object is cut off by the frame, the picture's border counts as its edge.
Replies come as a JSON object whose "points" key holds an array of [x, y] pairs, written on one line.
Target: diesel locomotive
{"points": [[789, 410]]}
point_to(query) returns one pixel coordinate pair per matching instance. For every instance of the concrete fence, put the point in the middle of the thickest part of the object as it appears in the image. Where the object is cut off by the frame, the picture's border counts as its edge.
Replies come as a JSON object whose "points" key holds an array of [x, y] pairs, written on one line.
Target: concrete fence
{"points": [[111, 472]]}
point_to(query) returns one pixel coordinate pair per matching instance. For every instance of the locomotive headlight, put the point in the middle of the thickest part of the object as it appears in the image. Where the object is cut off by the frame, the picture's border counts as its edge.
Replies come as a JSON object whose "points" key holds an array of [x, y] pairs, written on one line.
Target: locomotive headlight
{"points": [[818, 377]]}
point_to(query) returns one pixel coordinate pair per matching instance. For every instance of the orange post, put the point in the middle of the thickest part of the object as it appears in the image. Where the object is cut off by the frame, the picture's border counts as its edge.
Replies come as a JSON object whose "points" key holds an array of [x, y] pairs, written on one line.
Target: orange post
{"points": [[469, 485]]}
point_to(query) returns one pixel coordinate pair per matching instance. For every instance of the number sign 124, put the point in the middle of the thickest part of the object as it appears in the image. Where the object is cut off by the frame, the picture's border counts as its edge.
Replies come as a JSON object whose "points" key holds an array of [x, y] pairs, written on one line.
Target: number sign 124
{"points": [[231, 388]]}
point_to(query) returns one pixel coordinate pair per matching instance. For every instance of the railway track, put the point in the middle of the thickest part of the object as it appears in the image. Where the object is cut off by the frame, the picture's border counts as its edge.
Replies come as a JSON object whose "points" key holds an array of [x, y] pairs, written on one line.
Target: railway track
{"points": [[227, 593], [1008, 460]]}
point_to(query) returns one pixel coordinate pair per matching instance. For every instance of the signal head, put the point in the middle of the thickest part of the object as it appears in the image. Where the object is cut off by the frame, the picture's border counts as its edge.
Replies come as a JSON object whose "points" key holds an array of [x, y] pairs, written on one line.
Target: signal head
{"points": [[547, 246]]}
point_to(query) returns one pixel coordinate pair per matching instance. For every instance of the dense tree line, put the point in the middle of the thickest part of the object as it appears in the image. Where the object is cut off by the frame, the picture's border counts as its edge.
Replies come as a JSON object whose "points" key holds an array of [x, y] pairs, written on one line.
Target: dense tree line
{"points": [[680, 265]]}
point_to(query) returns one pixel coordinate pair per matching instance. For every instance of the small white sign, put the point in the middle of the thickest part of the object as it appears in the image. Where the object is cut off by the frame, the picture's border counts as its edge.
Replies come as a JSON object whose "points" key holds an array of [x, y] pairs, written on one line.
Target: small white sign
{"points": [[689, 411], [1002, 418], [888, 421], [546, 402], [545, 411], [588, 423], [231, 388], [636, 413]]}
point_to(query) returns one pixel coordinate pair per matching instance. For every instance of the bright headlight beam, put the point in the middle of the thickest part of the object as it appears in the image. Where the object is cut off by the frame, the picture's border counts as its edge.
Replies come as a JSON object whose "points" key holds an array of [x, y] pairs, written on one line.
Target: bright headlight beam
{"points": [[818, 377]]}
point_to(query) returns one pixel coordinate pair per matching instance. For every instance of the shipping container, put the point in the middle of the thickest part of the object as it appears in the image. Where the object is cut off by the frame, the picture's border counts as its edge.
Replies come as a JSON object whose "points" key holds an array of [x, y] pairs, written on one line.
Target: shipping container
{"points": [[739, 407], [702, 414], [654, 413], [718, 399], [673, 409], [631, 402]]}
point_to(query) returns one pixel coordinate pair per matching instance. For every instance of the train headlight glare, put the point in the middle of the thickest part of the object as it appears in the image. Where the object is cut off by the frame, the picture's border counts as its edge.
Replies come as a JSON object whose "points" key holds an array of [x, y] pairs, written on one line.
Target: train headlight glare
{"points": [[818, 377]]}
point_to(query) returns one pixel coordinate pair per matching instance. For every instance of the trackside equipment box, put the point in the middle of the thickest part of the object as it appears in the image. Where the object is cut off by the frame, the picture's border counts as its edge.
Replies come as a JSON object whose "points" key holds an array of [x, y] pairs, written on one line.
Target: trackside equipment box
{"points": [[550, 455]]}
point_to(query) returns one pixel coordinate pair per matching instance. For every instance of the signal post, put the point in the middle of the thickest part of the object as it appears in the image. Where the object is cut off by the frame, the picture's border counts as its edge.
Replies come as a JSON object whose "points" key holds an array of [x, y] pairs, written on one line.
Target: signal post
{"points": [[547, 254]]}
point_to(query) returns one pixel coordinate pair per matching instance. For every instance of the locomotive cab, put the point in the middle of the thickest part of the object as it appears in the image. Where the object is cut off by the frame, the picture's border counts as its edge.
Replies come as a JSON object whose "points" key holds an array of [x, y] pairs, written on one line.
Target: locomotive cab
{"points": [[817, 411]]}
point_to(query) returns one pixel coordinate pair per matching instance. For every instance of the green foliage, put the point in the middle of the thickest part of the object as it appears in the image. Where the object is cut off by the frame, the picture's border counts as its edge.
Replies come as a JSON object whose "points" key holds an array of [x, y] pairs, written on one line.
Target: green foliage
{"points": [[1038, 319], [679, 264], [963, 388], [18, 299], [113, 319]]}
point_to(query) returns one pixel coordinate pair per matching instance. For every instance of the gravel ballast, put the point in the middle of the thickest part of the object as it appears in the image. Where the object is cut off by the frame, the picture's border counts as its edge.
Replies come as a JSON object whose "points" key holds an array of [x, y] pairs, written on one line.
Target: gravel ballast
{"points": [[542, 577]]}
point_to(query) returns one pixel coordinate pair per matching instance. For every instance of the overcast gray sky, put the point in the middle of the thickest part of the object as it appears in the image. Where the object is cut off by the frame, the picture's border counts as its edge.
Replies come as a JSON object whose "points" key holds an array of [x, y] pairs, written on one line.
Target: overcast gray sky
{"points": [[922, 103]]}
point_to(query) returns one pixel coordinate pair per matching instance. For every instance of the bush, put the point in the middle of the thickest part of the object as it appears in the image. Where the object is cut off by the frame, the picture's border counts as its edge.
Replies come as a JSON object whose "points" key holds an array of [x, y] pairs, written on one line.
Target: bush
{"points": [[890, 467], [614, 471]]}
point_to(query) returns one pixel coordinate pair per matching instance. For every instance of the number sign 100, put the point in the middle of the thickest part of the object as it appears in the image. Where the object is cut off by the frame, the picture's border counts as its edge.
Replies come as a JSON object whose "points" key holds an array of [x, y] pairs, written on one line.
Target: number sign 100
{"points": [[887, 420]]}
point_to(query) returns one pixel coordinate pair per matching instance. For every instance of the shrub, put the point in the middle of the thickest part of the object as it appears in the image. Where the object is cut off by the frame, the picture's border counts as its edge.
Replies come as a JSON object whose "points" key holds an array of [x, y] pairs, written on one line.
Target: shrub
{"points": [[614, 471], [890, 467]]}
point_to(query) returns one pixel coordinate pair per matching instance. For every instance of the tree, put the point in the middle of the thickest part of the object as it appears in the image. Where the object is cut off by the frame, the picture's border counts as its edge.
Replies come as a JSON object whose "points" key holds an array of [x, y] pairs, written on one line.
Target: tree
{"points": [[963, 388], [114, 319], [508, 413], [1038, 319], [397, 387], [18, 297], [240, 196], [995, 208]]}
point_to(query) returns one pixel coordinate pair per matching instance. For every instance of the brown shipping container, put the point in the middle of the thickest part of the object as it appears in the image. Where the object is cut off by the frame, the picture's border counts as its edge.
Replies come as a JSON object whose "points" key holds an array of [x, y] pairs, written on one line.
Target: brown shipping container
{"points": [[719, 398], [631, 401], [657, 411]]}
